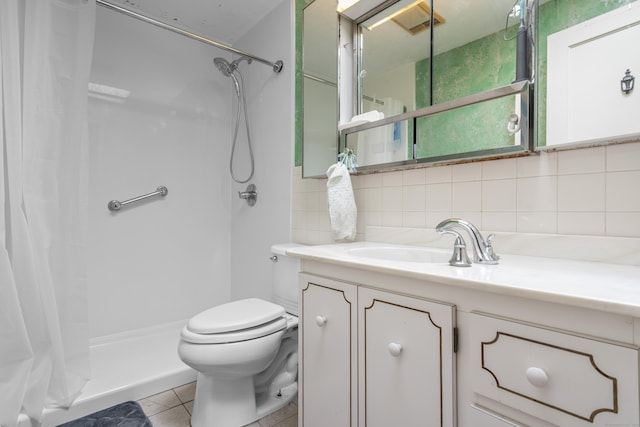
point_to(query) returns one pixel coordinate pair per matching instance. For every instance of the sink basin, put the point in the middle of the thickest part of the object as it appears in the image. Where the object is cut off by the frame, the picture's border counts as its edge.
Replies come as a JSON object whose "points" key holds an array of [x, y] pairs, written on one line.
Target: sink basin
{"points": [[403, 254]]}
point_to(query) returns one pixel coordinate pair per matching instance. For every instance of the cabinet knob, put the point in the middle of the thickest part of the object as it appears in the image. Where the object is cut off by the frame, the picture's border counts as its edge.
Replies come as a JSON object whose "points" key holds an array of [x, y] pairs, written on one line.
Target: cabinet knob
{"points": [[395, 349], [321, 320], [537, 377]]}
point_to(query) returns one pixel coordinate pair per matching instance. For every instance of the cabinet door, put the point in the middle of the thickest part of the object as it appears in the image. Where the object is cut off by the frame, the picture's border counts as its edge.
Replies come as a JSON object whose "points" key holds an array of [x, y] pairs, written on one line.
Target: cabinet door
{"points": [[407, 361], [328, 353]]}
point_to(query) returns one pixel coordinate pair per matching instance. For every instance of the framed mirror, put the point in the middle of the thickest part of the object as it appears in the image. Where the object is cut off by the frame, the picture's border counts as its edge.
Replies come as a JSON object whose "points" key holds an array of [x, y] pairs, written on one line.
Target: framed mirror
{"points": [[320, 93], [454, 77], [410, 61]]}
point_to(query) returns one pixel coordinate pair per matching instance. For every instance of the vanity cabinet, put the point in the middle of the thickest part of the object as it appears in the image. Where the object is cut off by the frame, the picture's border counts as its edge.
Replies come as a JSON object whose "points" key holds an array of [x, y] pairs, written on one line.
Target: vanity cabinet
{"points": [[380, 349], [374, 358]]}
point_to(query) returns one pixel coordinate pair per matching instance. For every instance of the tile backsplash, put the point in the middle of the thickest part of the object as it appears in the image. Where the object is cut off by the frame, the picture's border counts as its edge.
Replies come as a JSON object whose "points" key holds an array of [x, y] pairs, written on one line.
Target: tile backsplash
{"points": [[589, 191]]}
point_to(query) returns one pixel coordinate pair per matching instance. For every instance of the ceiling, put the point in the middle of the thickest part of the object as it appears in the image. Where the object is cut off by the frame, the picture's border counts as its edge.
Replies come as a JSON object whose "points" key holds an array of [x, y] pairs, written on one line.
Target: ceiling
{"points": [[224, 21]]}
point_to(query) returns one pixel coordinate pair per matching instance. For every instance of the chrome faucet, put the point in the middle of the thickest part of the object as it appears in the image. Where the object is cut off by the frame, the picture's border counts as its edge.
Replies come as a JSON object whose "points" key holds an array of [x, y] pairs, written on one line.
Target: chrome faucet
{"points": [[482, 250]]}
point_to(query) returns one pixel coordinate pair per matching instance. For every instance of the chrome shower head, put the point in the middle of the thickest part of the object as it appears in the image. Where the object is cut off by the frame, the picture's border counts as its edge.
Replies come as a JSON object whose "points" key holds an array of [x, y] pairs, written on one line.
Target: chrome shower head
{"points": [[227, 70], [224, 66]]}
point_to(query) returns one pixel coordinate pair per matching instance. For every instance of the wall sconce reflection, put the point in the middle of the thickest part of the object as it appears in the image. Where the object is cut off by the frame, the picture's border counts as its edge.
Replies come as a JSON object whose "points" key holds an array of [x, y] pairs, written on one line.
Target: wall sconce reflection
{"points": [[627, 82]]}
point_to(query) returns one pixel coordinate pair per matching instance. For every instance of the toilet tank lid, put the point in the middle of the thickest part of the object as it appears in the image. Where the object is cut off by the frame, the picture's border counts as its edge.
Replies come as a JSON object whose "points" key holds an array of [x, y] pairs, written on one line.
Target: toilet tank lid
{"points": [[281, 248], [235, 315]]}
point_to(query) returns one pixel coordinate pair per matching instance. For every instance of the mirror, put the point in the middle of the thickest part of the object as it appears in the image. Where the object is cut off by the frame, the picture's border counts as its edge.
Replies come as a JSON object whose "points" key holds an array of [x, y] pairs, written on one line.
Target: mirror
{"points": [[572, 34], [463, 131], [320, 94], [457, 78], [474, 47], [482, 53]]}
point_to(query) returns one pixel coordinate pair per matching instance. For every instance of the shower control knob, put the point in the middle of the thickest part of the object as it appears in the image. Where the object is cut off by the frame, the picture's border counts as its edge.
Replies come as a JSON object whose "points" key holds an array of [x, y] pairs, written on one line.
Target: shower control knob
{"points": [[250, 195], [321, 320]]}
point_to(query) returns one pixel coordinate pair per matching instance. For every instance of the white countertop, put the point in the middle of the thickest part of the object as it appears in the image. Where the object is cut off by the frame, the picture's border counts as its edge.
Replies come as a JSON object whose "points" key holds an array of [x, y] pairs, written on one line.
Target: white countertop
{"points": [[602, 286]]}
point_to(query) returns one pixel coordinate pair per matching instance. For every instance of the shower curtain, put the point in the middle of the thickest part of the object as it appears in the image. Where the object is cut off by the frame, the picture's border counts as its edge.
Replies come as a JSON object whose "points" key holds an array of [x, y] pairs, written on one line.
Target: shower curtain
{"points": [[45, 56]]}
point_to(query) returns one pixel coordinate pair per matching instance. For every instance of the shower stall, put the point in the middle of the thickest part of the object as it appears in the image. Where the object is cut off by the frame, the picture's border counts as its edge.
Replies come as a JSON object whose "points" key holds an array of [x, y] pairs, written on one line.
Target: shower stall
{"points": [[161, 114]]}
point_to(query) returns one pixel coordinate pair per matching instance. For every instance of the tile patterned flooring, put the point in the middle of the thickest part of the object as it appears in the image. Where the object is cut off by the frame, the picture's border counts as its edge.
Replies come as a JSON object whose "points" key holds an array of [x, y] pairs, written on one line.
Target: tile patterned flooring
{"points": [[172, 408]]}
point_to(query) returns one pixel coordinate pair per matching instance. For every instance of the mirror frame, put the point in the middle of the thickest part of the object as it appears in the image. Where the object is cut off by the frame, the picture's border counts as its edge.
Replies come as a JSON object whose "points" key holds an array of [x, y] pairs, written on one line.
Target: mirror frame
{"points": [[524, 89]]}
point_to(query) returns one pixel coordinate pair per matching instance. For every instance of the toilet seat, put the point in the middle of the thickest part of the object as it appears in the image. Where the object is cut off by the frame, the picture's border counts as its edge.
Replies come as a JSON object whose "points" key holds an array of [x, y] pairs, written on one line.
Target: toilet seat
{"points": [[235, 321], [236, 336]]}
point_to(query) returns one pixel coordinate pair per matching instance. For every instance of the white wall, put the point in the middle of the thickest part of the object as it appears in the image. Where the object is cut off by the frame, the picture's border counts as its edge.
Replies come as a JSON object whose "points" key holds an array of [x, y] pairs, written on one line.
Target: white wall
{"points": [[168, 258], [270, 97]]}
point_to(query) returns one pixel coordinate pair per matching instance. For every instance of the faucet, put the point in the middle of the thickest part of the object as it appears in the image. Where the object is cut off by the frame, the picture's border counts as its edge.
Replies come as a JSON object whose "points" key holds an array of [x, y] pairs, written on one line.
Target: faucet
{"points": [[482, 250]]}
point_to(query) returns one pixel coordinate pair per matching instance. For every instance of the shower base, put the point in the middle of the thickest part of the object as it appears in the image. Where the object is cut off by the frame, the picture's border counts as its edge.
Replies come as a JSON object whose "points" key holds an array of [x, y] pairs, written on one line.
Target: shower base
{"points": [[127, 366]]}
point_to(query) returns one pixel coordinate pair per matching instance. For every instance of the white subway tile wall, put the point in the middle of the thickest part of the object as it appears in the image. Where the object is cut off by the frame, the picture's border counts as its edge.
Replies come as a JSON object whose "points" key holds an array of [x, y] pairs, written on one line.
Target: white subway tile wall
{"points": [[588, 191]]}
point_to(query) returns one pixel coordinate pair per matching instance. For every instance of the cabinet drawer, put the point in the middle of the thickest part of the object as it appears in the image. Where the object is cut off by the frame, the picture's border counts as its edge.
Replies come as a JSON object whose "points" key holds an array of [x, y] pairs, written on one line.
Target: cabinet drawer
{"points": [[559, 377]]}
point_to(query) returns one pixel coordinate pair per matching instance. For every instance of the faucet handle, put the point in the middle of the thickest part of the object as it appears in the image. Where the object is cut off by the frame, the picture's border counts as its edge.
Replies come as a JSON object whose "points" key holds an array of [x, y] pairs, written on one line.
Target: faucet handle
{"points": [[489, 247]]}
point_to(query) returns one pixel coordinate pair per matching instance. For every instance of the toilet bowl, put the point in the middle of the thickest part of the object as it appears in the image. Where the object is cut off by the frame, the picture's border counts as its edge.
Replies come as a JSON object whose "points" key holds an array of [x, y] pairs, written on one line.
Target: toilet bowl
{"points": [[245, 353]]}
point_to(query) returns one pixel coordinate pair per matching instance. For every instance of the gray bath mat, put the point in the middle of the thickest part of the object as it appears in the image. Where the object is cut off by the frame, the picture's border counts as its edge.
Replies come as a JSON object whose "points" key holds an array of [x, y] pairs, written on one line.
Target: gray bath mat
{"points": [[127, 414]]}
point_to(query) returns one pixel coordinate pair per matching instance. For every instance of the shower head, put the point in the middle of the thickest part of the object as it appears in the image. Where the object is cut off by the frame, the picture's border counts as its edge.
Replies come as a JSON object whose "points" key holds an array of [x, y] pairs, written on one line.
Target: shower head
{"points": [[224, 66], [227, 70]]}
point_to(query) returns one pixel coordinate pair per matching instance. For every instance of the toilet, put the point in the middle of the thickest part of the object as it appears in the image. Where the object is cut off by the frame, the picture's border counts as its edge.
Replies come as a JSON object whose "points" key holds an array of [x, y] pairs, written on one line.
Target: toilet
{"points": [[246, 352]]}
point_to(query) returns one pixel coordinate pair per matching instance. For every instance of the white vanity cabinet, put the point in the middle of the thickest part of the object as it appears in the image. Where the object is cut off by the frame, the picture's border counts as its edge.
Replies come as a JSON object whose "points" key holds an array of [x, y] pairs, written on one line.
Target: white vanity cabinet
{"points": [[526, 343], [391, 364]]}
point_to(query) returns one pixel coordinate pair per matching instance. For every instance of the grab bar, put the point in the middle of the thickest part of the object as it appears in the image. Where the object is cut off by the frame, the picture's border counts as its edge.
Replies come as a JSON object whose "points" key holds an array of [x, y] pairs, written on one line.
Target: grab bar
{"points": [[115, 205]]}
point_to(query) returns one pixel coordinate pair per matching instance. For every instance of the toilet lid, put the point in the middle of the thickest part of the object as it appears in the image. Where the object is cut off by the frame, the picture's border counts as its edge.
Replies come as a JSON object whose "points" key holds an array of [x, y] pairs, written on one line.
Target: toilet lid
{"points": [[274, 326], [234, 316]]}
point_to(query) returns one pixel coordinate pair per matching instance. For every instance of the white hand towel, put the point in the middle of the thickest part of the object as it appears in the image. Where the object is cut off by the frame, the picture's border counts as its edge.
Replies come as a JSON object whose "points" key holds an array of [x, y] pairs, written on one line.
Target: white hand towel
{"points": [[342, 205]]}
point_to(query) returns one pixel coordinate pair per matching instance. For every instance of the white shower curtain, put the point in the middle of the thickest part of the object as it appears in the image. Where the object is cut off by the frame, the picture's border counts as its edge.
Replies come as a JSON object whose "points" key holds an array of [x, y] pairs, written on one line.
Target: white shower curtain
{"points": [[45, 56]]}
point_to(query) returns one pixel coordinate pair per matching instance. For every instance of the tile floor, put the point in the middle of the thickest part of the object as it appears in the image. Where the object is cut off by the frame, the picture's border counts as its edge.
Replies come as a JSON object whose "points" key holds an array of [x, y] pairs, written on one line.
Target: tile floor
{"points": [[172, 408]]}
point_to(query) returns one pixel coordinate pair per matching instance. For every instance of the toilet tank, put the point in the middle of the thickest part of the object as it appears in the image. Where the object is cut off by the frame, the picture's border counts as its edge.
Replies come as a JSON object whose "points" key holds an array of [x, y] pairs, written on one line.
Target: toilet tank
{"points": [[284, 277]]}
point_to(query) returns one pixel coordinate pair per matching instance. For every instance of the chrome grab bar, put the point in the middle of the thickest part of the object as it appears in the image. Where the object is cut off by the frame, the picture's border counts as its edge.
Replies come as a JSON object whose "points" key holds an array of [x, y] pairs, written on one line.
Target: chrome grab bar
{"points": [[115, 205]]}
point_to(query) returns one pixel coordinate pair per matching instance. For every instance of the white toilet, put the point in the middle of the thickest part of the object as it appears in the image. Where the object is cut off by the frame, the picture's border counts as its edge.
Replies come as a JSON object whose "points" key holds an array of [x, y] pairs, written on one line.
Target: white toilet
{"points": [[245, 352]]}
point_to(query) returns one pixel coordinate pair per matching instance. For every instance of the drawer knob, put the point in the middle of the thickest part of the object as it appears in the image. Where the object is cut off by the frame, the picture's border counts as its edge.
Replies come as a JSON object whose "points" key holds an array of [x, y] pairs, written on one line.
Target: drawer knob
{"points": [[395, 349], [537, 376], [321, 320]]}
